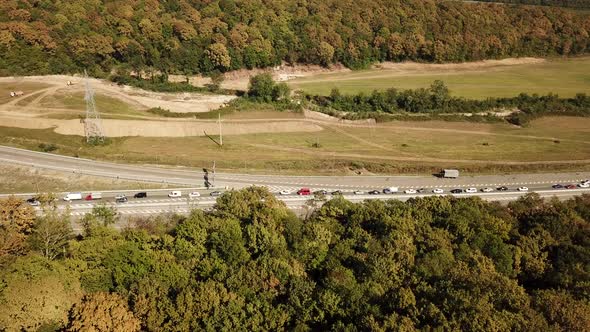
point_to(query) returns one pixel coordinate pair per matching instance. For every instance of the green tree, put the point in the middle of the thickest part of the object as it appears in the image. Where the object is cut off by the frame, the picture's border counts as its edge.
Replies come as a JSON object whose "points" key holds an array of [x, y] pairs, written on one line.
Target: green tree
{"points": [[51, 233], [36, 292]]}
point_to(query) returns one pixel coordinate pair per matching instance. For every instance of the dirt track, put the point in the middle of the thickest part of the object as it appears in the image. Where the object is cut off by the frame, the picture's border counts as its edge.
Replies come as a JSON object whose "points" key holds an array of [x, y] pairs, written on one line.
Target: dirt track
{"points": [[24, 112]]}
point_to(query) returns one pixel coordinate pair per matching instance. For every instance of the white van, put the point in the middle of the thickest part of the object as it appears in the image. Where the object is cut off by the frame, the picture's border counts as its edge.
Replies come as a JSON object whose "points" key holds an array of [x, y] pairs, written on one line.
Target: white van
{"points": [[175, 193], [72, 197]]}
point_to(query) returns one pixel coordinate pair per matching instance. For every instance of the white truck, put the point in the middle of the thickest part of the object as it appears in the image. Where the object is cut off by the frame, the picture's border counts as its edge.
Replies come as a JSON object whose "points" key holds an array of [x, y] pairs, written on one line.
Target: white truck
{"points": [[390, 190], [72, 197], [449, 173]]}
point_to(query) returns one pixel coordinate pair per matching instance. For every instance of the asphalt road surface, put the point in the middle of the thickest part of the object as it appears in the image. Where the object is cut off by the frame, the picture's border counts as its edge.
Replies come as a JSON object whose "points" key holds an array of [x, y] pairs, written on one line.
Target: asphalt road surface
{"points": [[158, 201]]}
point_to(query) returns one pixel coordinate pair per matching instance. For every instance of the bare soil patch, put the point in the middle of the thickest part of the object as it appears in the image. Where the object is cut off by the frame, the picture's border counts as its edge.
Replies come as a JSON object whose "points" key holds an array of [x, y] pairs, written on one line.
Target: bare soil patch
{"points": [[412, 67]]}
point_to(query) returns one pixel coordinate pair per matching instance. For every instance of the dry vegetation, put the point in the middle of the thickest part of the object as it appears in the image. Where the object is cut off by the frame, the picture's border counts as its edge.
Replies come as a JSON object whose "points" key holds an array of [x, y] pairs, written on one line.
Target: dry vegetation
{"points": [[18, 179]]}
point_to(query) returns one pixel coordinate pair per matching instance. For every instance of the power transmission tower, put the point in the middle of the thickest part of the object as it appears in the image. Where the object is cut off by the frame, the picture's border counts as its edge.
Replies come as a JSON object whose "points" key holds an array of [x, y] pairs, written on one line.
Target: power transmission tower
{"points": [[92, 122]]}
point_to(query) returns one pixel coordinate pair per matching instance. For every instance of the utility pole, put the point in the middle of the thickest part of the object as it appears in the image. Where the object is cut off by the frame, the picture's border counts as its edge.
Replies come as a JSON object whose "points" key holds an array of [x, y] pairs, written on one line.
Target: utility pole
{"points": [[220, 134], [213, 179]]}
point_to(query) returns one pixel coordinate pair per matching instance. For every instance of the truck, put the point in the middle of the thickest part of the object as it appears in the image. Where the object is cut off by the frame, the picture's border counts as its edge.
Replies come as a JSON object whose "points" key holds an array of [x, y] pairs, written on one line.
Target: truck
{"points": [[93, 196], [449, 173], [390, 190], [72, 197]]}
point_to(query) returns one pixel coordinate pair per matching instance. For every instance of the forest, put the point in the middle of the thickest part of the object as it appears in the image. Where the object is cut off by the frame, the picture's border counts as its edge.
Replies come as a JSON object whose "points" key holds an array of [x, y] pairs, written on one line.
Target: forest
{"points": [[250, 264], [189, 36], [556, 3], [436, 100]]}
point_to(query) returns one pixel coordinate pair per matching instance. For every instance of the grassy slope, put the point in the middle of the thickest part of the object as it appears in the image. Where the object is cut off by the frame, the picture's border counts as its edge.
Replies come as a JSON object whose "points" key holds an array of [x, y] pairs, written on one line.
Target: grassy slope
{"points": [[15, 179], [564, 77], [342, 148]]}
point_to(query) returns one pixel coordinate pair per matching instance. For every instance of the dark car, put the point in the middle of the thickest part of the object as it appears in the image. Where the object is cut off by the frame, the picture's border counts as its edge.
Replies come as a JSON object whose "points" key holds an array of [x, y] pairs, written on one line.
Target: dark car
{"points": [[456, 191], [215, 193], [557, 186], [337, 192], [374, 192], [142, 194], [502, 188], [570, 186], [321, 192], [33, 201]]}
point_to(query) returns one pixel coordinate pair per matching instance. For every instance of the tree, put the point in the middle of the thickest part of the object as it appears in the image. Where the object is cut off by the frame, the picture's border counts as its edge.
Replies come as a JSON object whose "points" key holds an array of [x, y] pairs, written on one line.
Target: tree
{"points": [[100, 216], [16, 224], [102, 312], [263, 88], [325, 53], [36, 292], [51, 233], [219, 56]]}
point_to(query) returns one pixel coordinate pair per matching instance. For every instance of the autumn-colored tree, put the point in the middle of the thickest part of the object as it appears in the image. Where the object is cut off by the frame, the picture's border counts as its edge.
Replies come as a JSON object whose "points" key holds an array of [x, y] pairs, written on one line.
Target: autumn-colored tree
{"points": [[16, 224], [102, 312]]}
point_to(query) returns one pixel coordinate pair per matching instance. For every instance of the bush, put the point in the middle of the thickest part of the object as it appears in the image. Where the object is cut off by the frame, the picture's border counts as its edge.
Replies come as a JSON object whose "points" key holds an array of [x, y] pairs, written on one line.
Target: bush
{"points": [[47, 147]]}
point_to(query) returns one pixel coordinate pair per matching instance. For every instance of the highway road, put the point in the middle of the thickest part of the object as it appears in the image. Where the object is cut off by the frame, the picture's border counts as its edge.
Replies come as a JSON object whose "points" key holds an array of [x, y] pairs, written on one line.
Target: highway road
{"points": [[158, 202]]}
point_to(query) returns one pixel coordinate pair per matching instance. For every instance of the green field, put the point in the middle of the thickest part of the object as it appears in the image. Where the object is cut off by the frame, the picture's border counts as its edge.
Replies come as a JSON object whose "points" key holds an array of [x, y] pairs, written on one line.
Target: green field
{"points": [[566, 77], [551, 143]]}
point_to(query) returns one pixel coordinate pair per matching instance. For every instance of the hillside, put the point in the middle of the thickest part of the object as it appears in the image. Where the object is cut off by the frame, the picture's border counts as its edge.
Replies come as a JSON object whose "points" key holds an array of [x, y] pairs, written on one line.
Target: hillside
{"points": [[556, 3], [189, 37]]}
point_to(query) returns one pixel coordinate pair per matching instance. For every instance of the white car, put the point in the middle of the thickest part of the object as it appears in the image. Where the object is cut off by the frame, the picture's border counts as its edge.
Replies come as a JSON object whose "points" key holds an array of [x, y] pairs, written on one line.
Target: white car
{"points": [[584, 185], [194, 194], [487, 190], [410, 191], [358, 192], [175, 194], [437, 191], [285, 192], [471, 190], [522, 189]]}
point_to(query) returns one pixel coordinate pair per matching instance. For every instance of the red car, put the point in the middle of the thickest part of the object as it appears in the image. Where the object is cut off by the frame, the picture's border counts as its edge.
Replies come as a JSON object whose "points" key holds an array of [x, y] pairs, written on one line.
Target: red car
{"points": [[304, 191], [570, 186]]}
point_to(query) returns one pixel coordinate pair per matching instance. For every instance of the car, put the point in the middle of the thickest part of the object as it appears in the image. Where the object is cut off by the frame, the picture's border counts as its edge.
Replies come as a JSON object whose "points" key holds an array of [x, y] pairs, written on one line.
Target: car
{"points": [[358, 192], [175, 193], [120, 198], [421, 190], [502, 188], [456, 191], [33, 201], [570, 186], [304, 192], [320, 192], [337, 192], [374, 192], [437, 191], [215, 193], [487, 190], [522, 189], [557, 186], [584, 185], [141, 194], [471, 190], [194, 194], [285, 192], [410, 191]]}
